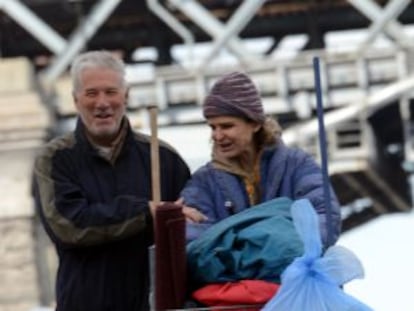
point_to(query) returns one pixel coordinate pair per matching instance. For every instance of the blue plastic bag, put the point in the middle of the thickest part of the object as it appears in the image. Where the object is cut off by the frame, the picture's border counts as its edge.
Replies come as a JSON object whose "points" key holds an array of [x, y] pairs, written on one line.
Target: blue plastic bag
{"points": [[312, 282]]}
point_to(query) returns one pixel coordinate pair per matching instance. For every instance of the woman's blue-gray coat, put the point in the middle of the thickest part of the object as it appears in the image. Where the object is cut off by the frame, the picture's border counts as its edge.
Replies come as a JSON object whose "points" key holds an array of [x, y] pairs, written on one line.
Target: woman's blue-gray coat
{"points": [[284, 172]]}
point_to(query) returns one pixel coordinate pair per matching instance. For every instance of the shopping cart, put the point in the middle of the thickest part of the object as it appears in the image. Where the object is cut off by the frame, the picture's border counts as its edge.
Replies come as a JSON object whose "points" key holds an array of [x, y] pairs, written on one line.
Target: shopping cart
{"points": [[178, 301]]}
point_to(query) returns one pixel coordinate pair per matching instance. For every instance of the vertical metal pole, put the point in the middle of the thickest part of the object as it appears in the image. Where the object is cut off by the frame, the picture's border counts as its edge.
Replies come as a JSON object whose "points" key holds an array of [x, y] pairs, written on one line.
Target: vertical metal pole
{"points": [[323, 148], [151, 258], [411, 184]]}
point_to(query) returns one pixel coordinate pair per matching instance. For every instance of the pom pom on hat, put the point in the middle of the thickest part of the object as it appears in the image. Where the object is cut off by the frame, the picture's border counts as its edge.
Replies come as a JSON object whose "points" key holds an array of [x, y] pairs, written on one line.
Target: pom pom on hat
{"points": [[234, 95]]}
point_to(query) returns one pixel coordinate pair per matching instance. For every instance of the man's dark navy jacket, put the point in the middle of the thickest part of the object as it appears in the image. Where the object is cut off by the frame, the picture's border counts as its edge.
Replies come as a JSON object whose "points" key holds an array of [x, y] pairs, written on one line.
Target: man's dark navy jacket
{"points": [[96, 212]]}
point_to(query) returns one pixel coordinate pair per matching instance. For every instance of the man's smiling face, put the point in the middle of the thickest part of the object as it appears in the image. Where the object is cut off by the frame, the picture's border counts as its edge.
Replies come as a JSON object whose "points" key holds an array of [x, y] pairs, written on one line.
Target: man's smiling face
{"points": [[101, 103]]}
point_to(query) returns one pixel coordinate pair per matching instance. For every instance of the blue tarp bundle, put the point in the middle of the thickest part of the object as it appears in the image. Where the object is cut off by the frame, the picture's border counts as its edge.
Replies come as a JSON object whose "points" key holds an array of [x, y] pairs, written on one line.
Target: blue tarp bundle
{"points": [[257, 243]]}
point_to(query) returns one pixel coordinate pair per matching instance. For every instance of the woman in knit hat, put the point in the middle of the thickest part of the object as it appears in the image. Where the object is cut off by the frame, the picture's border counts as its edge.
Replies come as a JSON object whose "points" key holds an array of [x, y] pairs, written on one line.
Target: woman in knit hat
{"points": [[250, 164]]}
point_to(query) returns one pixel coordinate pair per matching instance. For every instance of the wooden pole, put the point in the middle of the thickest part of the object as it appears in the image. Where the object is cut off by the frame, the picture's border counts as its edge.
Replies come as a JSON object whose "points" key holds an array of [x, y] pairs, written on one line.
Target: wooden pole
{"points": [[155, 156]]}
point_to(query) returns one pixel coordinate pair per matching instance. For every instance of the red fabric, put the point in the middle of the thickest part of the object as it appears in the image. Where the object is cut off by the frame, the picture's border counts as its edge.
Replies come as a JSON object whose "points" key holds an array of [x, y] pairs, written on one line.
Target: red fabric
{"points": [[170, 257], [244, 292]]}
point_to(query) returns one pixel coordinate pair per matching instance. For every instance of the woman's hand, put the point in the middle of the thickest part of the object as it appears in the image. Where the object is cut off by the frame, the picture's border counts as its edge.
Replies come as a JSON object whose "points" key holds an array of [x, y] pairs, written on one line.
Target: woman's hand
{"points": [[191, 214]]}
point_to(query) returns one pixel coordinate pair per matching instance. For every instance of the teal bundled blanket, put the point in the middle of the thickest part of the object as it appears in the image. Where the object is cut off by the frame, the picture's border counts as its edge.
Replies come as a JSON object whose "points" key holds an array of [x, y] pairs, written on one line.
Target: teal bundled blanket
{"points": [[257, 243]]}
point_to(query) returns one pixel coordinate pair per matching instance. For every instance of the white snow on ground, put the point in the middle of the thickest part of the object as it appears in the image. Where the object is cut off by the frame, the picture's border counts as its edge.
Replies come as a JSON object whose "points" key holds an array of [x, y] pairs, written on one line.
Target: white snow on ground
{"points": [[385, 248]]}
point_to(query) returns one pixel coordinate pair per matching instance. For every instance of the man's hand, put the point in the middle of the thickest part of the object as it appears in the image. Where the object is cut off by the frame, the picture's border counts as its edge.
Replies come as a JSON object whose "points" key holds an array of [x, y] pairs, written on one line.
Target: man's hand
{"points": [[153, 207], [191, 214]]}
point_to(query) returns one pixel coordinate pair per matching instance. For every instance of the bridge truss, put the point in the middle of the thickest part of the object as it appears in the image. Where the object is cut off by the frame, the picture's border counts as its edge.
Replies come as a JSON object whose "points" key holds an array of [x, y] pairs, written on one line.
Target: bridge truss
{"points": [[370, 167]]}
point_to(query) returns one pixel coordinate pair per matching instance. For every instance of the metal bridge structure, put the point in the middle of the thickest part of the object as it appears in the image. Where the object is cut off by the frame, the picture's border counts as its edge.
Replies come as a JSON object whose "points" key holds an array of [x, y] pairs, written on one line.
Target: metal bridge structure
{"points": [[367, 87]]}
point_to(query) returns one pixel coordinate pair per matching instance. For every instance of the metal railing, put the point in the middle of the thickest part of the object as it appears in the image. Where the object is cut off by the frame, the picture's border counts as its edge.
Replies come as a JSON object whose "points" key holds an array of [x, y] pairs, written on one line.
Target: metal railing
{"points": [[354, 86]]}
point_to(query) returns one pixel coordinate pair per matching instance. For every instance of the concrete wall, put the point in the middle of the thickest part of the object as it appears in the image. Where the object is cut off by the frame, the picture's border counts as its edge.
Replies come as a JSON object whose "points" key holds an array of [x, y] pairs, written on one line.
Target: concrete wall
{"points": [[18, 286], [24, 251], [26, 257]]}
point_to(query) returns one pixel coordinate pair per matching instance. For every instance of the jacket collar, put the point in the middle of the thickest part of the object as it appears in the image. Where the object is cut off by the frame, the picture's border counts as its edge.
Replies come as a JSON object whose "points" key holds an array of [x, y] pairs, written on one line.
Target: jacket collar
{"points": [[115, 149]]}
